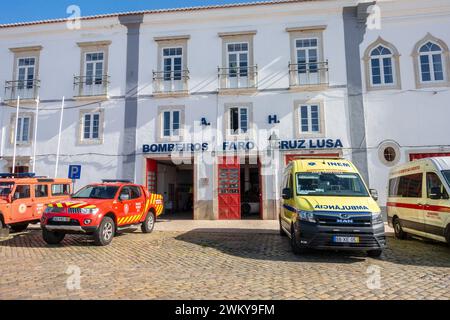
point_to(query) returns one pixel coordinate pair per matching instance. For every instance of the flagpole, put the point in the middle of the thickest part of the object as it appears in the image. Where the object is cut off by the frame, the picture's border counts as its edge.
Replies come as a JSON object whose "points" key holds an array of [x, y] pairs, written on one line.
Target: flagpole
{"points": [[35, 134], [59, 138], [15, 135]]}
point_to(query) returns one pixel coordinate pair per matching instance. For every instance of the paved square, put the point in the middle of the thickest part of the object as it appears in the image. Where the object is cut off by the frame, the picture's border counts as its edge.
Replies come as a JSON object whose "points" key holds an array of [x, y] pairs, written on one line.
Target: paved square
{"points": [[230, 264]]}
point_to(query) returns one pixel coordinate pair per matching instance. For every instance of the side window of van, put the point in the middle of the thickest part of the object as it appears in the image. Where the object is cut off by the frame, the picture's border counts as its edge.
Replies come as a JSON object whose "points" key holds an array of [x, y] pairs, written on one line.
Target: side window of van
{"points": [[60, 189], [434, 183], [409, 186], [41, 191], [22, 192]]}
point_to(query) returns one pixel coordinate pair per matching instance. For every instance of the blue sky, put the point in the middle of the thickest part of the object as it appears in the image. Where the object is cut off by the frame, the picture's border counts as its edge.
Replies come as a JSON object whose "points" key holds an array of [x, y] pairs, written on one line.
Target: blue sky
{"points": [[30, 10]]}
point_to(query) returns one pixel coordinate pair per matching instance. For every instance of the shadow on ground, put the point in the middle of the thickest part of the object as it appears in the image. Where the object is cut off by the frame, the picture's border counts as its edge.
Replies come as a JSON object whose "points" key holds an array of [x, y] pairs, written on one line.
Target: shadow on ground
{"points": [[251, 244]]}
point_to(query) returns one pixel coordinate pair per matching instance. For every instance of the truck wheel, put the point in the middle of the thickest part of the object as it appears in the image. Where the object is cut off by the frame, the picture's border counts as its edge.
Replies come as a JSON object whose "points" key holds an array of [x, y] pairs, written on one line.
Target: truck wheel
{"points": [[19, 227], [374, 253], [399, 233], [52, 237], [105, 232], [296, 248], [149, 223]]}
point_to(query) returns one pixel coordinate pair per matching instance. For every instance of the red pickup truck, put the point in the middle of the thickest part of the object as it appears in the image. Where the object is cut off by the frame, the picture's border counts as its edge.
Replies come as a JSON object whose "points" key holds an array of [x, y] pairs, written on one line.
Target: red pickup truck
{"points": [[101, 210]]}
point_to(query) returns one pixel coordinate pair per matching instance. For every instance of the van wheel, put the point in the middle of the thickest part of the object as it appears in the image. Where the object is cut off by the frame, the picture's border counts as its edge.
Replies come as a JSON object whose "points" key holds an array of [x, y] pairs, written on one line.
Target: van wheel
{"points": [[105, 232], [20, 227], [149, 223], [296, 248], [282, 232], [374, 253], [52, 237], [399, 233]]}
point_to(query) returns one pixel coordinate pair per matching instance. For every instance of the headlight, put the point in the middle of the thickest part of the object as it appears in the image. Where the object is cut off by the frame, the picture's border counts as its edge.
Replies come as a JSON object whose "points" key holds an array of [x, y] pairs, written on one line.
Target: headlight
{"points": [[89, 211], [376, 217], [53, 210], [307, 216]]}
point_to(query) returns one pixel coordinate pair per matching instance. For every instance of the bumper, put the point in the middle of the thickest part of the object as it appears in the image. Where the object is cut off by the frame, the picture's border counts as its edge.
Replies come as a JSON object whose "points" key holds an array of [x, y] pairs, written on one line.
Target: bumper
{"points": [[321, 237], [70, 229]]}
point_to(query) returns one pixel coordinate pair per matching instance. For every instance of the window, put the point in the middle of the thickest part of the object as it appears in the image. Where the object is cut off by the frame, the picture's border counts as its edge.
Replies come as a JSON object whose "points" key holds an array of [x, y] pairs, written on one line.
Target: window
{"points": [[409, 186], [307, 55], [23, 129], [26, 73], [431, 62], [434, 184], [381, 66], [91, 125], [330, 184], [389, 154], [239, 120], [133, 191], [22, 192], [41, 191], [309, 119], [60, 189], [238, 59], [173, 63], [171, 123], [94, 68], [96, 192]]}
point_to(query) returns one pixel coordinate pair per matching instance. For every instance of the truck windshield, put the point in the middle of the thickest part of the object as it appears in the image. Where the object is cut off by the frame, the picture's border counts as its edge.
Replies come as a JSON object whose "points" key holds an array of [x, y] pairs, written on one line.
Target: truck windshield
{"points": [[5, 189], [96, 192], [446, 174], [330, 184]]}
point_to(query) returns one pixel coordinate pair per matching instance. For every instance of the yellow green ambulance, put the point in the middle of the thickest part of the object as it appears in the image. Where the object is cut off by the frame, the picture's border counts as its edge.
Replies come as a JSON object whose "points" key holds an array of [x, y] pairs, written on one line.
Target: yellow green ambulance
{"points": [[327, 205]]}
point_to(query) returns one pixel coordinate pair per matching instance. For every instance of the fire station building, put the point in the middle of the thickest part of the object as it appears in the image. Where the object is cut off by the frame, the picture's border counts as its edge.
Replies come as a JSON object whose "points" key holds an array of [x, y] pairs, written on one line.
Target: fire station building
{"points": [[206, 105]]}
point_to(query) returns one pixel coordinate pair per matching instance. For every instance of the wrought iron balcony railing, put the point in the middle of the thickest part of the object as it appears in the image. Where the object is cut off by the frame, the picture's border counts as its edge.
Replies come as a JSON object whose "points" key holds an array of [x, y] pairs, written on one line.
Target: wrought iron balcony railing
{"points": [[171, 81], [25, 89], [88, 86], [238, 77], [308, 74]]}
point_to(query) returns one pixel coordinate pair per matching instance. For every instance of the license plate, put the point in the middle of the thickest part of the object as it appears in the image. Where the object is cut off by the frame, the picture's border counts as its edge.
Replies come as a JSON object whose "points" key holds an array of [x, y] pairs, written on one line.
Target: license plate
{"points": [[341, 239], [61, 219]]}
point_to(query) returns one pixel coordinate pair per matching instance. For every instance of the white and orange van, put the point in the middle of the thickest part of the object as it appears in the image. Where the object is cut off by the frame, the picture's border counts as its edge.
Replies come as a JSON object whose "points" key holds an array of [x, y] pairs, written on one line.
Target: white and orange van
{"points": [[418, 201]]}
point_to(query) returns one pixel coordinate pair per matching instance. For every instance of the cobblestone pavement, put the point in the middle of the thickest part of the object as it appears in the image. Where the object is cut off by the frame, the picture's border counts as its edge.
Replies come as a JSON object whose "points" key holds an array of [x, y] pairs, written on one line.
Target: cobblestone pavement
{"points": [[216, 265]]}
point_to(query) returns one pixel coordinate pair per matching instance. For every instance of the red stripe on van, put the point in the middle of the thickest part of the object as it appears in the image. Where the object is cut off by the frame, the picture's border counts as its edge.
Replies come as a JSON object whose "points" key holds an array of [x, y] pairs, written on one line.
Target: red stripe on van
{"points": [[416, 206]]}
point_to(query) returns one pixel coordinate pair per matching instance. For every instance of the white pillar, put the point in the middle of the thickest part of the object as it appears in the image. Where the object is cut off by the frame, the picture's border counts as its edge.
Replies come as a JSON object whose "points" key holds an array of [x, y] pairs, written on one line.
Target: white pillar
{"points": [[15, 135], [59, 138]]}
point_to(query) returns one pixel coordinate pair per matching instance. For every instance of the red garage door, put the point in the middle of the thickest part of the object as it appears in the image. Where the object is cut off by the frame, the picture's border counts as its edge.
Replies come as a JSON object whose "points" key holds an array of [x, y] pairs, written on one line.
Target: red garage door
{"points": [[229, 189], [417, 156], [151, 175]]}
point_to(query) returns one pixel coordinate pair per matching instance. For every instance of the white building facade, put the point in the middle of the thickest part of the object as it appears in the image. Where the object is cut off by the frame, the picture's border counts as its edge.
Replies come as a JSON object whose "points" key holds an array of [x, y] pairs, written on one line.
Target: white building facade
{"points": [[207, 105]]}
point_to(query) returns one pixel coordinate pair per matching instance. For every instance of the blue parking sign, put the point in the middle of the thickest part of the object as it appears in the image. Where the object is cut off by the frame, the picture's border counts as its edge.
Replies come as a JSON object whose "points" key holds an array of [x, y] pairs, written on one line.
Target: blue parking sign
{"points": [[74, 172]]}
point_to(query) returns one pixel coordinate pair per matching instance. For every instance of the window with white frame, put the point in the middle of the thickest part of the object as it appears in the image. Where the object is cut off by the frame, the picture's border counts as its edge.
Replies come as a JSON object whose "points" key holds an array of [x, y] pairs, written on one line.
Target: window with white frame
{"points": [[307, 51], [94, 68], [91, 126], [23, 129], [309, 117], [431, 63], [381, 66], [173, 63], [238, 59], [26, 71], [171, 123], [239, 120]]}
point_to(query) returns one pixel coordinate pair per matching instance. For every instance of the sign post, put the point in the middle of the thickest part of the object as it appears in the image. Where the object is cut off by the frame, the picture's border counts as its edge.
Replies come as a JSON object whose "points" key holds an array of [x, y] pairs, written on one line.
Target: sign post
{"points": [[74, 174]]}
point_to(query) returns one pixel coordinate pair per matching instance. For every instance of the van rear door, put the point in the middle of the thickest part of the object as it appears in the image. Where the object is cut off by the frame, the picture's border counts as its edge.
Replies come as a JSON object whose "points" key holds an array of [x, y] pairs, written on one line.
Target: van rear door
{"points": [[435, 208]]}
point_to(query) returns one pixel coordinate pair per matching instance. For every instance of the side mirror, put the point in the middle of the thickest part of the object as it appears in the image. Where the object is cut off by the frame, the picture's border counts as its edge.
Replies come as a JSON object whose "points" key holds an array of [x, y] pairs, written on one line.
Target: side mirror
{"points": [[124, 197], [374, 194], [287, 194], [435, 193]]}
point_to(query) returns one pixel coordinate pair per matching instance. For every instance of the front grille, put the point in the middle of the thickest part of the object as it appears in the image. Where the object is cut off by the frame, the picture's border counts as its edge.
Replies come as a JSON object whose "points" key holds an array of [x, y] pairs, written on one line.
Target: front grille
{"points": [[74, 210], [335, 219]]}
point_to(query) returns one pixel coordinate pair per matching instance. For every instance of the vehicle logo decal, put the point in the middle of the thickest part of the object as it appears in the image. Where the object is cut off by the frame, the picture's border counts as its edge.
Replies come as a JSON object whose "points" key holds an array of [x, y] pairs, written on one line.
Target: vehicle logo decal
{"points": [[22, 208], [126, 208]]}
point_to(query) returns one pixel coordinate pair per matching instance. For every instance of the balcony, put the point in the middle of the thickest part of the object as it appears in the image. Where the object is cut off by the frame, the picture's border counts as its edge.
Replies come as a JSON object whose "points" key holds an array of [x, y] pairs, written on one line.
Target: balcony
{"points": [[91, 87], [238, 79], [171, 83], [27, 90], [312, 75]]}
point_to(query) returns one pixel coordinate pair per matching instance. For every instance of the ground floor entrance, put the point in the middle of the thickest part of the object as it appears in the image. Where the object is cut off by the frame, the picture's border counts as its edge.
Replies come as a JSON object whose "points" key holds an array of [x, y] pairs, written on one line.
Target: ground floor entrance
{"points": [[239, 189], [175, 183]]}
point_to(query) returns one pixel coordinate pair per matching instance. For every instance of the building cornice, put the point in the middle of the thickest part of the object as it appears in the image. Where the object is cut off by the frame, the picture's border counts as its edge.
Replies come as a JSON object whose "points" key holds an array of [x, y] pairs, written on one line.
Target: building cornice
{"points": [[26, 49]]}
